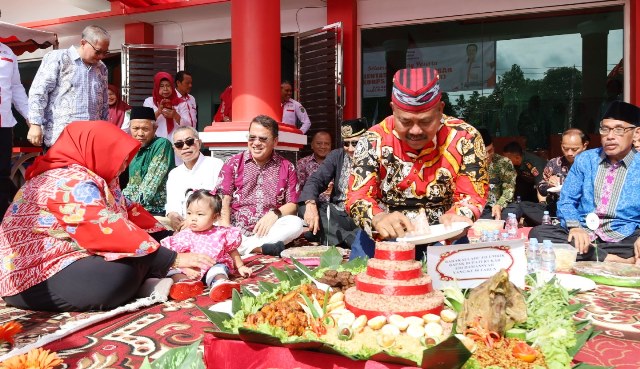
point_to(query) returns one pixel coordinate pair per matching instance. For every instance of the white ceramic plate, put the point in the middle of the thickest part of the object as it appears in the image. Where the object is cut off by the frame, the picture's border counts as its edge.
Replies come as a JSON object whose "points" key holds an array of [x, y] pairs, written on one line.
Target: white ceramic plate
{"points": [[555, 189], [223, 307], [575, 282], [438, 233]]}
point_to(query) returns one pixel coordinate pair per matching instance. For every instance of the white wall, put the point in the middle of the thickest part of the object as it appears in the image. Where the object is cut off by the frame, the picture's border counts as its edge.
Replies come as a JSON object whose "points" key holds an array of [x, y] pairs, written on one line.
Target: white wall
{"points": [[372, 13], [217, 25]]}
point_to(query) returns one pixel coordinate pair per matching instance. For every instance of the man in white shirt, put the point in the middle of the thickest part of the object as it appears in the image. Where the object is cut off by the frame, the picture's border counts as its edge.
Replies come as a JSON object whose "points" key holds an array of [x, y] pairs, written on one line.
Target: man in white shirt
{"points": [[293, 113], [187, 107], [11, 93], [196, 172]]}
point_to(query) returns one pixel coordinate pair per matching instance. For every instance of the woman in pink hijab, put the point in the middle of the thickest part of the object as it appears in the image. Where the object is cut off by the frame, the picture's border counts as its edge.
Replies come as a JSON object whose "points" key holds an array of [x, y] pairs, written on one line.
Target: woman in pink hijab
{"points": [[117, 107]]}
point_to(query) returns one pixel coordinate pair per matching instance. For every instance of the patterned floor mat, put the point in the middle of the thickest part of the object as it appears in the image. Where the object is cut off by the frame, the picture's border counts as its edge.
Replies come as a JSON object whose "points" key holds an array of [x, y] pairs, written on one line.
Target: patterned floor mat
{"points": [[125, 340]]}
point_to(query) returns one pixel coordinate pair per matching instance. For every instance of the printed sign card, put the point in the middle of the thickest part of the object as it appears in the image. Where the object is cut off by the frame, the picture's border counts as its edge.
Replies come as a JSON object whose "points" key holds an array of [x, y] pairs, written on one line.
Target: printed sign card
{"points": [[469, 265]]}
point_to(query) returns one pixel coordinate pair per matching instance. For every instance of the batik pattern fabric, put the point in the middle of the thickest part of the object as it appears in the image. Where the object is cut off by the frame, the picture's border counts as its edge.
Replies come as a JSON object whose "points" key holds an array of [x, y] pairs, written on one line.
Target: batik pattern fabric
{"points": [[148, 174], [558, 167], [64, 90], [255, 189], [582, 192], [63, 215], [502, 181], [216, 243], [305, 168], [449, 175], [608, 188], [343, 181]]}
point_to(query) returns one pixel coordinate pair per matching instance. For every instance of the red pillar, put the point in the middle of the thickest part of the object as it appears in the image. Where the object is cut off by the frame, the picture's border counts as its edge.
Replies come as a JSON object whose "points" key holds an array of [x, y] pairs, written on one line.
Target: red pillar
{"points": [[255, 56], [138, 33], [634, 53], [346, 11]]}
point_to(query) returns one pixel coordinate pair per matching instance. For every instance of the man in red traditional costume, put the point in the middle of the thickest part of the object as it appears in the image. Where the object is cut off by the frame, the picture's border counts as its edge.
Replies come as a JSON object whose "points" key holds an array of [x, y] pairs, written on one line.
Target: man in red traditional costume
{"points": [[417, 158]]}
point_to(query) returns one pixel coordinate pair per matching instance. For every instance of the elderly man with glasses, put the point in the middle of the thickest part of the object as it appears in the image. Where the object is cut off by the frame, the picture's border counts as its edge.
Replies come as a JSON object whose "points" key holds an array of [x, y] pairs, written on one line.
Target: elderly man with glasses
{"points": [[604, 184], [196, 172], [338, 228], [70, 85], [260, 190]]}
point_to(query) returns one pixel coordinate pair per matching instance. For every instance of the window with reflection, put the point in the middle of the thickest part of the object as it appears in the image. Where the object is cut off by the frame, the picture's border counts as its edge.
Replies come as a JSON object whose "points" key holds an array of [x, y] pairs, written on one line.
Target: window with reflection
{"points": [[532, 76]]}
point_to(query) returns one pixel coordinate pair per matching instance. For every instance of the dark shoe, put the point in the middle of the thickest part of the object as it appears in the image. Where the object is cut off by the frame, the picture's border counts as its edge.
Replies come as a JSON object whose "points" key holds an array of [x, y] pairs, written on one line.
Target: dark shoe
{"points": [[273, 249], [310, 237], [186, 289]]}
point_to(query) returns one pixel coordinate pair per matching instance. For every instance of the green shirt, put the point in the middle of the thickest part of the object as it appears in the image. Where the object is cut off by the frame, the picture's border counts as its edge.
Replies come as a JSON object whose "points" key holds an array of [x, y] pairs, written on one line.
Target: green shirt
{"points": [[148, 173], [502, 181]]}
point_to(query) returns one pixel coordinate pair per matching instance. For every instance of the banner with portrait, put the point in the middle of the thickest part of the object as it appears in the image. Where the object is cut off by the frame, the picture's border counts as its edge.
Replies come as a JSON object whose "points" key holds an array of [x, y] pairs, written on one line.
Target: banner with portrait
{"points": [[462, 67]]}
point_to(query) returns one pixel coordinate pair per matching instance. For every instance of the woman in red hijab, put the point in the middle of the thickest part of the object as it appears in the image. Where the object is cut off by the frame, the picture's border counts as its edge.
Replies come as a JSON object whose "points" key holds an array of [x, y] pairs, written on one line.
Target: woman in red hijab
{"points": [[117, 107], [164, 102], [70, 241]]}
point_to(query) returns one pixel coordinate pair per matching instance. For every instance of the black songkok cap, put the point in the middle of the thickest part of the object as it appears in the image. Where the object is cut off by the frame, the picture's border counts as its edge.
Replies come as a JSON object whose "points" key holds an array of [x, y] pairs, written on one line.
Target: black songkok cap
{"points": [[142, 112], [354, 127], [620, 110]]}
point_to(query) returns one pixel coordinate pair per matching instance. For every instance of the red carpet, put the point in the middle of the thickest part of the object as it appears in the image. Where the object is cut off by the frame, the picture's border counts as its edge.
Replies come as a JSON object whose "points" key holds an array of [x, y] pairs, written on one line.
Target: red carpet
{"points": [[124, 341]]}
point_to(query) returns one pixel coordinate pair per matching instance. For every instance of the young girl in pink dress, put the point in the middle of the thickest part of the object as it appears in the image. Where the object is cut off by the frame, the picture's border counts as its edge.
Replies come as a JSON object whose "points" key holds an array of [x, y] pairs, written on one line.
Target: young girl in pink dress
{"points": [[202, 236]]}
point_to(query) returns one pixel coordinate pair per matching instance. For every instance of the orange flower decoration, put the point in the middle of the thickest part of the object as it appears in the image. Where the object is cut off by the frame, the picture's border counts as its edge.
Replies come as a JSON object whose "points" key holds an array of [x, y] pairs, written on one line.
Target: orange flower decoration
{"points": [[34, 359], [8, 331]]}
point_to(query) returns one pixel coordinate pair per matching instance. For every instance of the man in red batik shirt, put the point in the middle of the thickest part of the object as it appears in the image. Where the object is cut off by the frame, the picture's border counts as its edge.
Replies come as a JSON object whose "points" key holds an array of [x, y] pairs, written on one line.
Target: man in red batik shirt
{"points": [[417, 158]]}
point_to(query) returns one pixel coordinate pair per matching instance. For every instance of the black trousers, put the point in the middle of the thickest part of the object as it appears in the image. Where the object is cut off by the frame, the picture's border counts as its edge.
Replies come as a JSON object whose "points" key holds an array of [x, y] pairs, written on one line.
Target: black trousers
{"points": [[7, 187], [341, 230], [93, 283], [557, 234]]}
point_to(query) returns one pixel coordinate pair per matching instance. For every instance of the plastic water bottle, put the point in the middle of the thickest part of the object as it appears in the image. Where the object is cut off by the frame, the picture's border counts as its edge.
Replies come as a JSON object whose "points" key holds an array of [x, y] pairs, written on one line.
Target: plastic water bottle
{"points": [[490, 236], [512, 225], [496, 235], [546, 218], [505, 236], [533, 256], [485, 236], [547, 257]]}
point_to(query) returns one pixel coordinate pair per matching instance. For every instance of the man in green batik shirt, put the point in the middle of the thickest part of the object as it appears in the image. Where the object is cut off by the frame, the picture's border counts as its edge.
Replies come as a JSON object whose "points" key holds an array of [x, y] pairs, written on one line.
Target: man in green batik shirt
{"points": [[150, 167], [502, 182]]}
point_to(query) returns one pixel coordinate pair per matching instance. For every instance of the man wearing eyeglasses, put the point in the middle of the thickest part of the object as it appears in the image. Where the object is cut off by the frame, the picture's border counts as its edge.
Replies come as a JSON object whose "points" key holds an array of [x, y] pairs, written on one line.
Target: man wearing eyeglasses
{"points": [[338, 228], [260, 191], [605, 182], [197, 171], [417, 158], [70, 85]]}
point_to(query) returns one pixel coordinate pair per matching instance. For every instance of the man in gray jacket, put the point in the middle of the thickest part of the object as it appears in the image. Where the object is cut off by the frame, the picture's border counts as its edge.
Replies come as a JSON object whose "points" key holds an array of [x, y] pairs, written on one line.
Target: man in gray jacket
{"points": [[329, 219]]}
